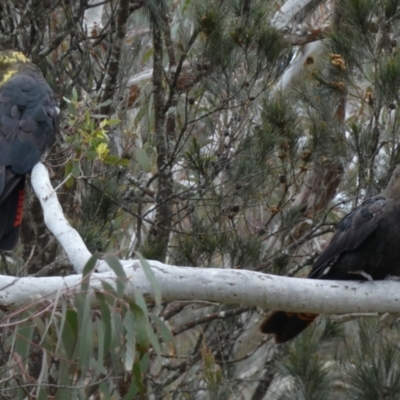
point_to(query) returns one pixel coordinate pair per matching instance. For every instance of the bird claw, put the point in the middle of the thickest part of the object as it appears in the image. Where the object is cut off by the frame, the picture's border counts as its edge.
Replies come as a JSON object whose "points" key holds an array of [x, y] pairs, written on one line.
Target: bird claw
{"points": [[368, 277]]}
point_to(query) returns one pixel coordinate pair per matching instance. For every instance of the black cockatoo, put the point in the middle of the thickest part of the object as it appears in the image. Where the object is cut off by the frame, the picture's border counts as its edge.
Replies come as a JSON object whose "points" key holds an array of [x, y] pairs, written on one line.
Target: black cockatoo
{"points": [[365, 246], [28, 114]]}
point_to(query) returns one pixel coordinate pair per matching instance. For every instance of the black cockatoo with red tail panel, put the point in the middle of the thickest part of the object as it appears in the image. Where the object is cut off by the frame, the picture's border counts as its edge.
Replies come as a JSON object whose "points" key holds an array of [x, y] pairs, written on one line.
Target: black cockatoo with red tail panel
{"points": [[28, 117]]}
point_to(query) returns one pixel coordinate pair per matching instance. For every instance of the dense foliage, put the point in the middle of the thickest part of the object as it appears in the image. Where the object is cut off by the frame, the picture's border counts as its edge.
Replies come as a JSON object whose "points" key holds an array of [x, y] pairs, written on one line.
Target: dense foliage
{"points": [[201, 133]]}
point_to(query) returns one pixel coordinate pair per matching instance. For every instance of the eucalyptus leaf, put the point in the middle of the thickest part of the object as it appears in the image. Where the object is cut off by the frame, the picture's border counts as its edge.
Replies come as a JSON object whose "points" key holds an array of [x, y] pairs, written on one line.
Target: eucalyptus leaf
{"points": [[142, 159]]}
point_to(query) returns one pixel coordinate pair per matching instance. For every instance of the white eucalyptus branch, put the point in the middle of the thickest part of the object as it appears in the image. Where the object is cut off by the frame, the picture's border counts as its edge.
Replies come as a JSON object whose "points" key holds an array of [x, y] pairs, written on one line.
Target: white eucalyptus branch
{"points": [[189, 283], [229, 286], [55, 220], [292, 11]]}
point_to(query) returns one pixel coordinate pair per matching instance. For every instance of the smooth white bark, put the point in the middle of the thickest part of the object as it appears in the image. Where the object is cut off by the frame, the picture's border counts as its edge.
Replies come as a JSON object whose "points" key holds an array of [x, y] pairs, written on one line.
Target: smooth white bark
{"points": [[55, 220], [93, 17], [217, 285], [291, 11], [299, 66], [190, 283]]}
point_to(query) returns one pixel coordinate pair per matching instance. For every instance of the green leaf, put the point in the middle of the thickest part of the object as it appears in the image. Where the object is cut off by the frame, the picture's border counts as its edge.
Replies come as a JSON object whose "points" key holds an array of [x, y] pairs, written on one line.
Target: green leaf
{"points": [[110, 159], [85, 337], [144, 362], [116, 266], [100, 332], [117, 345], [70, 334], [141, 327], [104, 391], [162, 328], [42, 394], [123, 162], [133, 389], [154, 342], [106, 320], [68, 170], [66, 377], [137, 373], [40, 323], [112, 122], [76, 171], [24, 333], [143, 159], [130, 345], [87, 271], [141, 302], [147, 55], [151, 277], [91, 154], [74, 94], [109, 290], [103, 104], [62, 319], [85, 326]]}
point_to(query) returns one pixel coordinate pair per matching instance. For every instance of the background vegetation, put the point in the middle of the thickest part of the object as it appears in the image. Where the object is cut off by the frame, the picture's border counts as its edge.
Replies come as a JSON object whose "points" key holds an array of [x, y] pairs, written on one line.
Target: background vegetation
{"points": [[204, 133]]}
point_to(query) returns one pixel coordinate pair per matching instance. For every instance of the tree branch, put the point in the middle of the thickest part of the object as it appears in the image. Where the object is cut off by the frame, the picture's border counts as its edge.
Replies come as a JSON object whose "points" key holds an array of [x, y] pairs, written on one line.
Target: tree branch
{"points": [[113, 68], [228, 286], [190, 283], [159, 235], [55, 221], [292, 11]]}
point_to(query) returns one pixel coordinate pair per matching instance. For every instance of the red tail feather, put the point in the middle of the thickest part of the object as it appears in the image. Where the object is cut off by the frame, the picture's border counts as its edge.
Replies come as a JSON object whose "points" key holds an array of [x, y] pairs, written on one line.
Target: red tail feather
{"points": [[18, 214], [286, 325]]}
